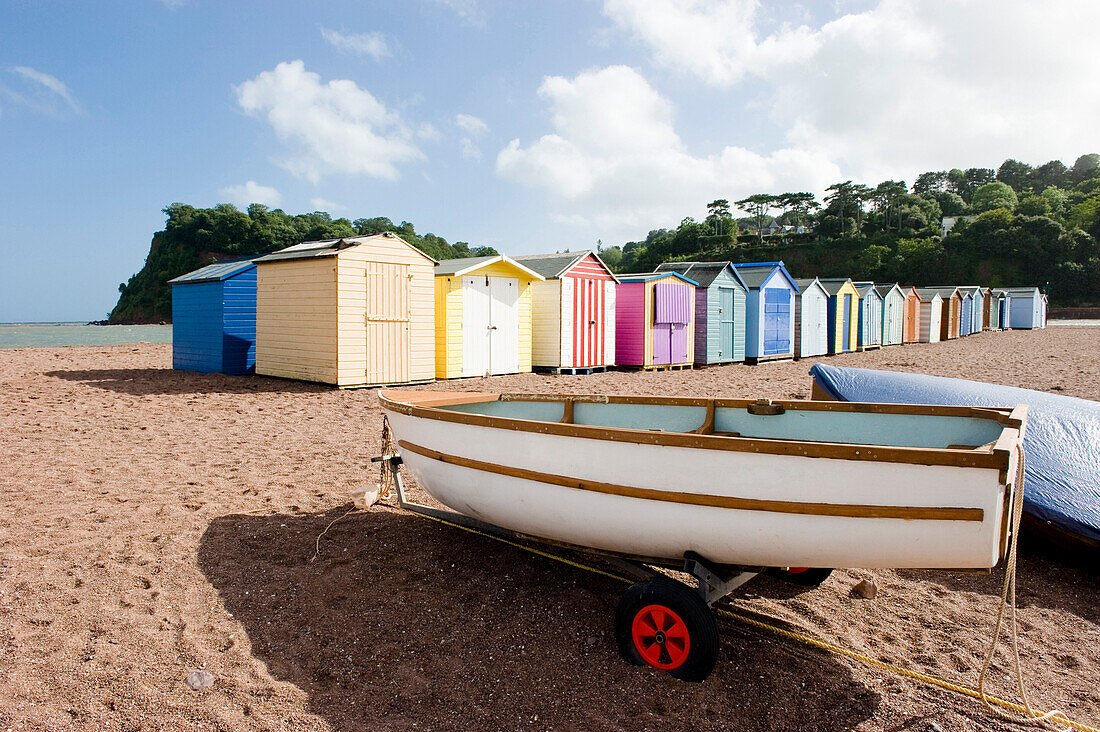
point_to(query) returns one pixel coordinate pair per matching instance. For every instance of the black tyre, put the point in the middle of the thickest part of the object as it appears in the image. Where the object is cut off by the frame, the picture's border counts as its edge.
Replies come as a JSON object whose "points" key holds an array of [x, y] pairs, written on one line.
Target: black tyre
{"points": [[802, 576], [665, 624]]}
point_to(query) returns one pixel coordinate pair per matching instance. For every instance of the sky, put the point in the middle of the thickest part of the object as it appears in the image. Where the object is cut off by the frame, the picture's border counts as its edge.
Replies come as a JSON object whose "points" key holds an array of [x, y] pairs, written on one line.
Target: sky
{"points": [[527, 126]]}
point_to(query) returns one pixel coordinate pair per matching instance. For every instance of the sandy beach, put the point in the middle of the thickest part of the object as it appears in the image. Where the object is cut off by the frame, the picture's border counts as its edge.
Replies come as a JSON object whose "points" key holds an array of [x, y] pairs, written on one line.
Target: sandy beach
{"points": [[155, 522]]}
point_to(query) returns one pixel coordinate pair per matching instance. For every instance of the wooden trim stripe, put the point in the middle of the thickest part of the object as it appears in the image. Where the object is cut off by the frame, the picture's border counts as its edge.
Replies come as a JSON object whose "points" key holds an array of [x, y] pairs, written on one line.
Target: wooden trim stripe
{"points": [[848, 510], [998, 459]]}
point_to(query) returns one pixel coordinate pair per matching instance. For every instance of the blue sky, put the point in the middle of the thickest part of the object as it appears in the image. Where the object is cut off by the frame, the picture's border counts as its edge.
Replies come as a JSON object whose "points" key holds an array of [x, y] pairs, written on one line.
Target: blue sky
{"points": [[528, 126]]}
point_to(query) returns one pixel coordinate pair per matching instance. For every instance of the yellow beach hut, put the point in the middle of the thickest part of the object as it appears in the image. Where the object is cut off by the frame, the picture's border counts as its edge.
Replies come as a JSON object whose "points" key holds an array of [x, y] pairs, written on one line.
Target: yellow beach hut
{"points": [[356, 311], [843, 314], [482, 316]]}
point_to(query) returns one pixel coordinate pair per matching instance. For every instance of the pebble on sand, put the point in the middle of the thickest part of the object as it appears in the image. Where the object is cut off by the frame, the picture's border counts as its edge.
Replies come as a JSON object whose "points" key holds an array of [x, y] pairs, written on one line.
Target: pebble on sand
{"points": [[201, 679], [866, 589]]}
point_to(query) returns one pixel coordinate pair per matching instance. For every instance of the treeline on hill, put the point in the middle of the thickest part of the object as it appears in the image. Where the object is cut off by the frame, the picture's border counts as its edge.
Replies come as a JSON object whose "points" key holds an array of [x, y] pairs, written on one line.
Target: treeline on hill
{"points": [[194, 237], [1017, 225]]}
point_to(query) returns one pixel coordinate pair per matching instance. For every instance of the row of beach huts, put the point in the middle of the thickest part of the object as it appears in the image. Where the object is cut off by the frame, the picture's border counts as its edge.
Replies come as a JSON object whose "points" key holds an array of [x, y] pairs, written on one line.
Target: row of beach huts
{"points": [[374, 310]]}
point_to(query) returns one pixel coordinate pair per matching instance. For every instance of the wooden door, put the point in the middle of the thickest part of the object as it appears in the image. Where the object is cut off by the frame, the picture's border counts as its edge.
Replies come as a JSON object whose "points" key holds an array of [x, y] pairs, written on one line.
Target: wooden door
{"points": [[387, 323], [846, 334], [678, 350], [589, 323], [777, 321], [662, 343], [725, 322], [475, 326], [503, 325]]}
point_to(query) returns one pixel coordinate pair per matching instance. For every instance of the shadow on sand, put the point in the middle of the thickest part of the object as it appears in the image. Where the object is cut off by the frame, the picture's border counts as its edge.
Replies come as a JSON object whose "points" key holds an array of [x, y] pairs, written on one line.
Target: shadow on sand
{"points": [[142, 382], [401, 620]]}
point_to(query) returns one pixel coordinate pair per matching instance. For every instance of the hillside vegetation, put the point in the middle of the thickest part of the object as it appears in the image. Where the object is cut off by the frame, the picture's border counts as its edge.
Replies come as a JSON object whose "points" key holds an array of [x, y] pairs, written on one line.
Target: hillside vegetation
{"points": [[194, 237], [1018, 225]]}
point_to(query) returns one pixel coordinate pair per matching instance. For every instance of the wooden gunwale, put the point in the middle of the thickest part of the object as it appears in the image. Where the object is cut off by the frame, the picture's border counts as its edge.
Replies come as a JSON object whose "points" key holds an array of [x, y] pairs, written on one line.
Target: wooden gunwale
{"points": [[997, 459], [848, 510]]}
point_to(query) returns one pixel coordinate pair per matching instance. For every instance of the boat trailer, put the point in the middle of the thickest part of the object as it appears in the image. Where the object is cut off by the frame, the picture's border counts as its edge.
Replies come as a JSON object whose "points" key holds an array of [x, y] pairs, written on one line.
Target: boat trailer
{"points": [[660, 621]]}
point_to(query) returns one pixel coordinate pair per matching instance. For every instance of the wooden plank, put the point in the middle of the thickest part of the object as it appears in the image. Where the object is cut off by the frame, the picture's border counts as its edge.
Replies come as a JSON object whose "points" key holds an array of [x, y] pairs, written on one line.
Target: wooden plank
{"points": [[849, 510]]}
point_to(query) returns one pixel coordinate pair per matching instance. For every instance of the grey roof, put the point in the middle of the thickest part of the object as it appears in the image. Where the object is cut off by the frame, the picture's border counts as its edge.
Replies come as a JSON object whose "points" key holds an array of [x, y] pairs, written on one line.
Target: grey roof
{"points": [[884, 290], [216, 272], [704, 273], [754, 276], [450, 266], [329, 248], [647, 276], [865, 288], [804, 283], [944, 292], [1022, 291], [832, 285], [551, 265], [927, 293]]}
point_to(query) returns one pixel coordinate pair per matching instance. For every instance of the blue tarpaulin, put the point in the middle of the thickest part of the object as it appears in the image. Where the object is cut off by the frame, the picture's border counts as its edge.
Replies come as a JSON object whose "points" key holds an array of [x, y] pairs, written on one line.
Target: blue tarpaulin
{"points": [[1061, 439]]}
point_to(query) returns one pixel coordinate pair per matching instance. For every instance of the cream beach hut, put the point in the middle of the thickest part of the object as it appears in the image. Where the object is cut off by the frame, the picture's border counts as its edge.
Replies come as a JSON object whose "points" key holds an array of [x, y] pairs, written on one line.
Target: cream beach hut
{"points": [[931, 313], [573, 312], [893, 314], [483, 316], [356, 311]]}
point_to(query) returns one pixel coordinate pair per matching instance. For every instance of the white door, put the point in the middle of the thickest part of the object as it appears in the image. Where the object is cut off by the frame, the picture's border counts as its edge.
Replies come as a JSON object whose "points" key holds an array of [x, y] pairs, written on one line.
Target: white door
{"points": [[476, 322], [504, 325]]}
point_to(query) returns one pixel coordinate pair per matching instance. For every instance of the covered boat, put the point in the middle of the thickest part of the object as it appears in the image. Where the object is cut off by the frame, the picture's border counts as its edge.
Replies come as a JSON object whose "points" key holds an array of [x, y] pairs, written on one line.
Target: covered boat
{"points": [[737, 482], [1062, 482]]}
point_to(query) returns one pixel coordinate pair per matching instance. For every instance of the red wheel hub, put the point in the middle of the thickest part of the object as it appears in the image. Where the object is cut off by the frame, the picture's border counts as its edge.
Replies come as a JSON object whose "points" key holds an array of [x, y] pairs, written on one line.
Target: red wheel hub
{"points": [[797, 570], [661, 637]]}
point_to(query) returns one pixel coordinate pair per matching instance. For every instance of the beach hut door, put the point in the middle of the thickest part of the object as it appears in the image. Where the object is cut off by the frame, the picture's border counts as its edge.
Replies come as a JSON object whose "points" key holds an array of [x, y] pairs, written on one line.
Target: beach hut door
{"points": [[777, 321], [387, 345], [475, 326], [725, 319], [504, 330]]}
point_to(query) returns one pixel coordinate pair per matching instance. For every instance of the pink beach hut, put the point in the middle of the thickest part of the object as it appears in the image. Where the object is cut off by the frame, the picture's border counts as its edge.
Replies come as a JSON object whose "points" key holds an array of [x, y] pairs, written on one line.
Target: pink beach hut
{"points": [[654, 320]]}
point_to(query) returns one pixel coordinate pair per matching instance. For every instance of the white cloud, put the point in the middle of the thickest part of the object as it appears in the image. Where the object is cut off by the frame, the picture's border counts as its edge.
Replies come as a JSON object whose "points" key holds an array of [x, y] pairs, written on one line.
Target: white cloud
{"points": [[614, 158], [44, 92], [473, 127], [363, 44], [320, 204], [173, 4], [470, 124], [251, 192], [903, 87], [338, 127]]}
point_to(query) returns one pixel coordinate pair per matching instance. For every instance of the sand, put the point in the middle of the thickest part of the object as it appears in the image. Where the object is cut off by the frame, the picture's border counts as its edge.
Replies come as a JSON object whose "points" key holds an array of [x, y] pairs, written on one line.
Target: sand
{"points": [[154, 523]]}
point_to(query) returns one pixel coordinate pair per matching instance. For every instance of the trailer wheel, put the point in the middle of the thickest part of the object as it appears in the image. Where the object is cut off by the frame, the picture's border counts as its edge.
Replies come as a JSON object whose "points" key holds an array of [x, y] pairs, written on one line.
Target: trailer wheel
{"points": [[802, 576], [665, 624]]}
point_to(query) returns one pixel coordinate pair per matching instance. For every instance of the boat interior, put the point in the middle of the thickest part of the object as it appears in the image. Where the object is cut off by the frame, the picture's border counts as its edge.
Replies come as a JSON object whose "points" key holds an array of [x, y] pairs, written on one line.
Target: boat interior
{"points": [[829, 422]]}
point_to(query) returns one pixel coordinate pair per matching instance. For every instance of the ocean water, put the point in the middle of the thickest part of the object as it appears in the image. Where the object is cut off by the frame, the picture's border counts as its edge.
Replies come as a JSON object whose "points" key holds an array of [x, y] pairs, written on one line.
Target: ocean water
{"points": [[30, 335]]}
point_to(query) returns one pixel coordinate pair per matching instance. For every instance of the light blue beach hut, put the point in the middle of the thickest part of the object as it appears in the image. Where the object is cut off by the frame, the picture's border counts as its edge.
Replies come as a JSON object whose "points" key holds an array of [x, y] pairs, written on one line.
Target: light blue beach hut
{"points": [[966, 323], [214, 319], [719, 310], [1027, 307], [870, 316], [769, 310]]}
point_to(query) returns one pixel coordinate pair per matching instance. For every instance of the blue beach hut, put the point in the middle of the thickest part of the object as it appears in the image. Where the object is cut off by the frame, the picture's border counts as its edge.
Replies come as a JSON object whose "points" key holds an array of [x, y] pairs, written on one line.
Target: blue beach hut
{"points": [[719, 310], [966, 327], [214, 319], [769, 310]]}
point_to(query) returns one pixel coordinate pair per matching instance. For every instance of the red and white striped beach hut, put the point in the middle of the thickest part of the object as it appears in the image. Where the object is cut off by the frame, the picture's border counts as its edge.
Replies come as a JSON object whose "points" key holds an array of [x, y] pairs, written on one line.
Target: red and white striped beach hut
{"points": [[573, 328]]}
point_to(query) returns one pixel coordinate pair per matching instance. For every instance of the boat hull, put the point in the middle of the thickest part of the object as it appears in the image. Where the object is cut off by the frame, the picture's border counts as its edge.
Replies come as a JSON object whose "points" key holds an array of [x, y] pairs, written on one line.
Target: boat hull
{"points": [[730, 506]]}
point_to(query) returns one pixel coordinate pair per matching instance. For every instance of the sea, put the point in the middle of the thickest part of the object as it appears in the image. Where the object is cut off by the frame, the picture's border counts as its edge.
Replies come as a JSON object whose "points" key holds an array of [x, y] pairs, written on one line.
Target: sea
{"points": [[30, 335]]}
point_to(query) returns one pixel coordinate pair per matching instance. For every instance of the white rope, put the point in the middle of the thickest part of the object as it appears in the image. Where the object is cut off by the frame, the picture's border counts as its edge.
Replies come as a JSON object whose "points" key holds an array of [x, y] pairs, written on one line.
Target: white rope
{"points": [[1054, 719]]}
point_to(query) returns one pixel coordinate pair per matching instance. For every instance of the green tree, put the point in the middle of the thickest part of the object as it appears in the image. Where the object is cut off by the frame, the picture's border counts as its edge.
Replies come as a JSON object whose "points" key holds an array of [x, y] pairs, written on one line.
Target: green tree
{"points": [[993, 195], [1085, 167], [840, 199], [929, 183], [719, 216], [758, 206], [1015, 174]]}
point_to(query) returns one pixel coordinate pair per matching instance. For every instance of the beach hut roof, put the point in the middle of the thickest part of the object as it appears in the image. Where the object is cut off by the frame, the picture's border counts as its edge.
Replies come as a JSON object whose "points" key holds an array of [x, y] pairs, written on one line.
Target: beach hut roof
{"points": [[884, 290], [864, 288], [704, 273], [465, 265], [647, 276], [832, 285], [945, 292], [805, 284], [927, 294], [330, 248], [215, 272], [755, 274], [553, 266], [1022, 291]]}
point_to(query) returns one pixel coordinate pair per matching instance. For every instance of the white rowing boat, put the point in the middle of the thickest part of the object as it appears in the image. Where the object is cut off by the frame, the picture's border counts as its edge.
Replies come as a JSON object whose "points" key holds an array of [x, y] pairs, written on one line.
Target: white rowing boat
{"points": [[757, 484]]}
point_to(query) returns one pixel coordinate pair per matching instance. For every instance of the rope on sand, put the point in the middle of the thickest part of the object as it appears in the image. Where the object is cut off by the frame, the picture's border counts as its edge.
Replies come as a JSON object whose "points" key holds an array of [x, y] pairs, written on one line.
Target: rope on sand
{"points": [[1028, 715]]}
